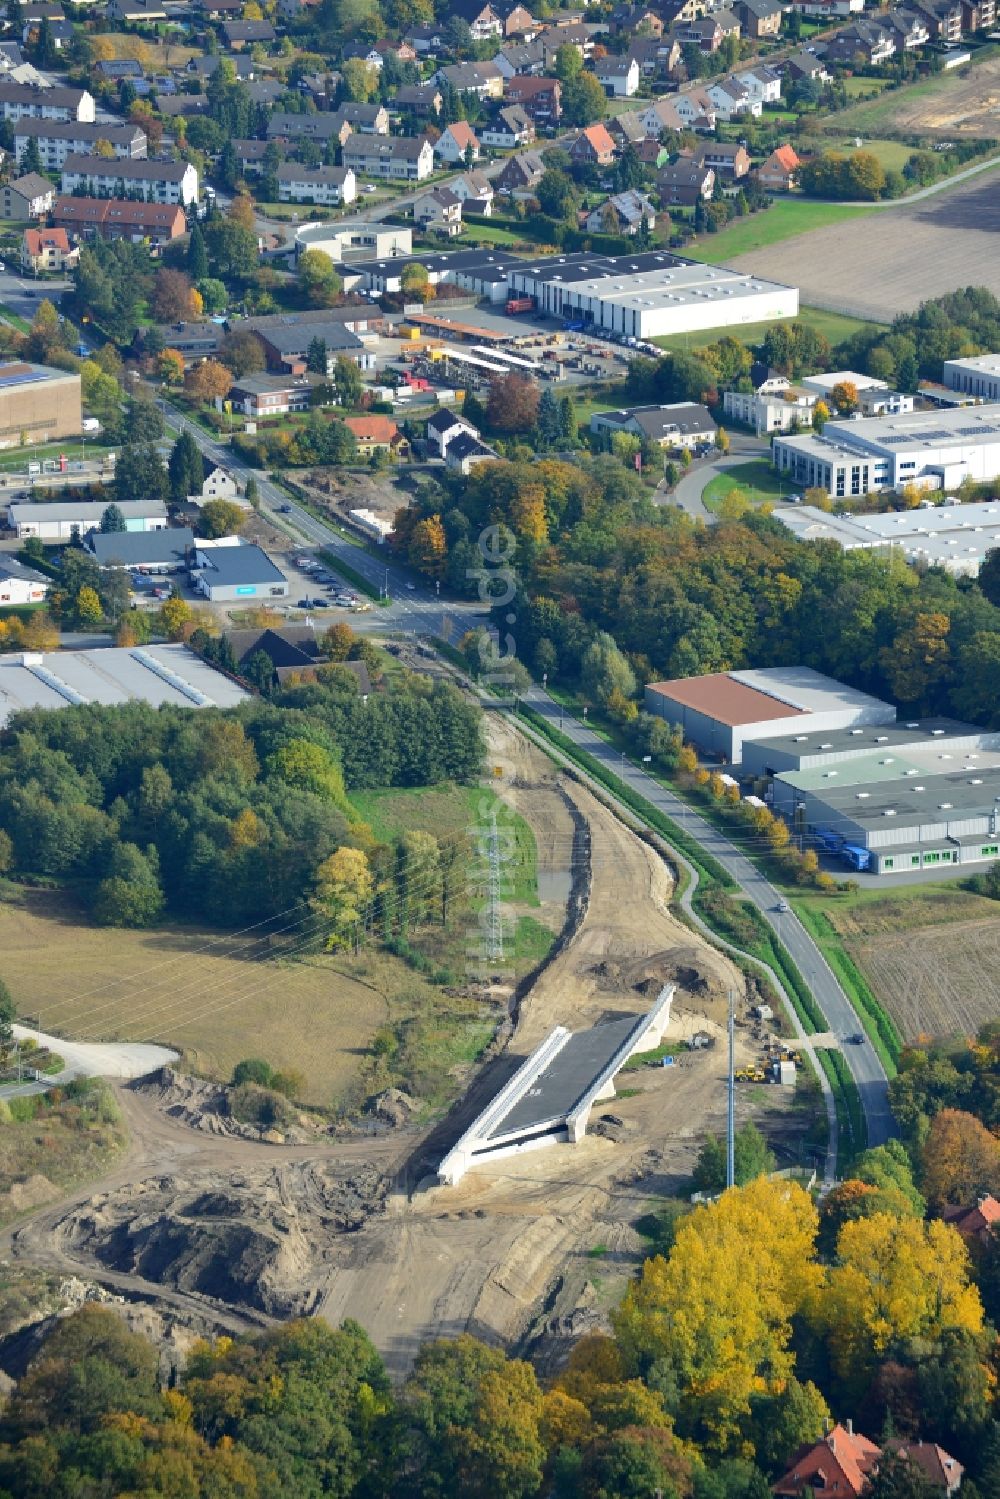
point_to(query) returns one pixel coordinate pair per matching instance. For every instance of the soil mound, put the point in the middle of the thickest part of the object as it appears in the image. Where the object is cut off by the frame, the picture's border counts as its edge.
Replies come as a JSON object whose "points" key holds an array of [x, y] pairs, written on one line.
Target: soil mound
{"points": [[255, 1240]]}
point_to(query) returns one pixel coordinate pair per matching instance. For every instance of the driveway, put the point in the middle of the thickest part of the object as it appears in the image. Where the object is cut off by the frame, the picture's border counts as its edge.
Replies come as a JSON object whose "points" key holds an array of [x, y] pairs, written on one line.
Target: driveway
{"points": [[841, 1017], [118, 1059], [687, 493]]}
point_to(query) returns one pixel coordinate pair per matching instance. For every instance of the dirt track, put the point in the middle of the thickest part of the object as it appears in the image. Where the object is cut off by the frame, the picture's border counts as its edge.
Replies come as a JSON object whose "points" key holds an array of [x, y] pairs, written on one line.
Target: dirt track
{"points": [[422, 1260]]}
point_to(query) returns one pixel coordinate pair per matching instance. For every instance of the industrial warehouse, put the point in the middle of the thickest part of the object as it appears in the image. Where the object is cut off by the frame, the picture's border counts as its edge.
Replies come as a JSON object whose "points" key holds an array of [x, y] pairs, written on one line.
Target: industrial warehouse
{"points": [[932, 449], [40, 402], [641, 296], [955, 537], [879, 796]]}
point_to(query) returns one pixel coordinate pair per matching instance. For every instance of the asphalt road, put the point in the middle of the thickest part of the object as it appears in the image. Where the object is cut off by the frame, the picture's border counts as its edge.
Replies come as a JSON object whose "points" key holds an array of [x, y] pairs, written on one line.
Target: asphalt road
{"points": [[24, 294], [842, 1019], [414, 606], [687, 493]]}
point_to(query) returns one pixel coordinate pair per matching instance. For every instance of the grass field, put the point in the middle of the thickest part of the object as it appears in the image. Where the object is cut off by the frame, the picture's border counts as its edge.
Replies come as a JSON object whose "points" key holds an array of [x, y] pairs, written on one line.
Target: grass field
{"points": [[892, 156], [755, 231], [757, 480], [187, 987], [929, 953], [960, 101], [856, 88], [835, 326]]}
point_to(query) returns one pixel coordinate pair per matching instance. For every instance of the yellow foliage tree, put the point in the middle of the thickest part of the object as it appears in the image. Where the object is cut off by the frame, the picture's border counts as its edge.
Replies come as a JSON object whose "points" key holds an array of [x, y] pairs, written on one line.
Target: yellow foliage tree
{"points": [[344, 888], [170, 366], [528, 513], [429, 546], [778, 834], [687, 760], [720, 1309], [174, 617], [896, 1278], [41, 634], [565, 1422], [246, 830]]}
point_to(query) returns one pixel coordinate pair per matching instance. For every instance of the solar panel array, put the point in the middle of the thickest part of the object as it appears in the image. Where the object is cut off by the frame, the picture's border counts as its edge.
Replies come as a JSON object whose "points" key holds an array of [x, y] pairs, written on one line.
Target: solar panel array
{"points": [[28, 379]]}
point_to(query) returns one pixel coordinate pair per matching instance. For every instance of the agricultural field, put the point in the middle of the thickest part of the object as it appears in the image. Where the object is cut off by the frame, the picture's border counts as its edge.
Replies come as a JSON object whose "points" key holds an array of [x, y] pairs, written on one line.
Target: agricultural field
{"points": [[931, 955], [783, 220], [907, 253], [952, 105]]}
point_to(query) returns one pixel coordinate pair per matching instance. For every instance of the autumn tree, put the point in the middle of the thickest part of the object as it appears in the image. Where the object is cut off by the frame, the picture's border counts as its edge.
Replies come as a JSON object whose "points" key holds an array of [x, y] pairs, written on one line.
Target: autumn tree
{"points": [[513, 404], [960, 1160], [173, 296], [175, 615], [919, 657], [170, 366], [896, 1278], [343, 893], [415, 282], [208, 381], [844, 397], [429, 546], [722, 1319], [220, 518]]}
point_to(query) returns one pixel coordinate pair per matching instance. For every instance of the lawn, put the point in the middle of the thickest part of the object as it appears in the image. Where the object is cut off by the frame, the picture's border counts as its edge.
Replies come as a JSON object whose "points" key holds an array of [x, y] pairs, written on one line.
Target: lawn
{"points": [[756, 231], [892, 156], [757, 480], [857, 88], [835, 326], [481, 231], [16, 460]]}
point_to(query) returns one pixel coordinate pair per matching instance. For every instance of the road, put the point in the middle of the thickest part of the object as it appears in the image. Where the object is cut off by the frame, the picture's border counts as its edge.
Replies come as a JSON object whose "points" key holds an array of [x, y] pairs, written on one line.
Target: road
{"points": [[118, 1059], [687, 493], [24, 294], [414, 606], [843, 1021]]}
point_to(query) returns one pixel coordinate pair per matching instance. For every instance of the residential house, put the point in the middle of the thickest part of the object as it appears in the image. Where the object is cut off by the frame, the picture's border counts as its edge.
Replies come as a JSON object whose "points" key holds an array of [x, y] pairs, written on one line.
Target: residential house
{"points": [[116, 218], [976, 1223], [20, 584], [484, 79], [119, 70], [910, 31], [593, 147], [240, 34], [803, 65], [61, 31], [618, 76], [272, 395], [729, 160], [573, 35], [438, 211], [47, 250], [521, 59], [707, 32], [322, 128], [250, 156], [426, 41], [420, 99], [866, 43], [159, 181], [652, 154], [136, 12], [520, 175], [19, 101], [978, 15], [762, 83], [777, 174], [843, 1463], [457, 144], [519, 22], [465, 452], [692, 108], [759, 19], [329, 187], [510, 127], [826, 10], [403, 158], [622, 213], [943, 17], [27, 197], [443, 426], [365, 52], [474, 190], [732, 99], [57, 139], [657, 56], [377, 434], [540, 98], [635, 20], [675, 426], [684, 184], [401, 51], [220, 485], [365, 119], [481, 18], [626, 129], [183, 106]]}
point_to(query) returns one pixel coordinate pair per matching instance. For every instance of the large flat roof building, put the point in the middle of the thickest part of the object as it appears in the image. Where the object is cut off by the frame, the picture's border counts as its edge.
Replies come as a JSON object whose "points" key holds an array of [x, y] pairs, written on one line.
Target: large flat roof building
{"points": [[650, 293], [720, 711], [932, 449], [151, 674], [955, 537], [59, 520], [42, 402], [978, 376], [944, 738]]}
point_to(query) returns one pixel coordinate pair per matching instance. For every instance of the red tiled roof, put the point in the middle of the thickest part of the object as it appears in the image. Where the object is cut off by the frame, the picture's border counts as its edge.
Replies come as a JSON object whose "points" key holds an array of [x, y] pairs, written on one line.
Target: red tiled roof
{"points": [[785, 156], [599, 138], [840, 1458], [37, 240], [974, 1221], [720, 696], [462, 134], [376, 428], [942, 1469]]}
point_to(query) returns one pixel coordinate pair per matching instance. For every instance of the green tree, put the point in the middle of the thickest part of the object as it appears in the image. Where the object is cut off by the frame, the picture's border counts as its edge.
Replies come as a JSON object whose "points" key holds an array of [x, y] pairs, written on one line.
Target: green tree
{"points": [[220, 518], [197, 255], [898, 1477], [584, 102], [112, 520], [130, 895], [316, 356], [347, 378], [605, 670], [318, 279], [569, 62], [185, 469], [140, 470]]}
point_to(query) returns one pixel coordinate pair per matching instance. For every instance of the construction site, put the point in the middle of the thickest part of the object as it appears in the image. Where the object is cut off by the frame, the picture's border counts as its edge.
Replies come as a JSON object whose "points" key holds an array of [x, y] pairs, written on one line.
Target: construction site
{"points": [[205, 1229]]}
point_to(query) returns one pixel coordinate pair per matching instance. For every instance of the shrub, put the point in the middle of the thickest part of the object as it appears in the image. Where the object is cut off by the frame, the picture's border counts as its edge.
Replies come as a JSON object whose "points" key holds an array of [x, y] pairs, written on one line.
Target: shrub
{"points": [[260, 1107], [252, 1070]]}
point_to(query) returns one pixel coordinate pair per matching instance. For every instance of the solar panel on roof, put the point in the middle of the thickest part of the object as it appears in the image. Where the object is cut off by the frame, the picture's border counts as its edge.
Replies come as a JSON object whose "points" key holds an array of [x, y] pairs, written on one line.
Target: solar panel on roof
{"points": [[20, 379]]}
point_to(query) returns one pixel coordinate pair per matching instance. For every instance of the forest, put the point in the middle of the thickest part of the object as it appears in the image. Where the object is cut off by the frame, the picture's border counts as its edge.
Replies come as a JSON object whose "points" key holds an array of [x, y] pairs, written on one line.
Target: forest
{"points": [[230, 815], [758, 1319]]}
